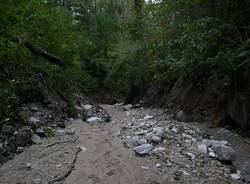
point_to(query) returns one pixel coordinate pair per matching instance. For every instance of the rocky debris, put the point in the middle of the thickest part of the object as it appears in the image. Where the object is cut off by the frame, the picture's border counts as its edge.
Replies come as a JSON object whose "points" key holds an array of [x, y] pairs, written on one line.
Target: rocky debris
{"points": [[96, 113], [144, 149], [222, 150], [7, 129], [95, 120], [180, 147], [180, 116]]}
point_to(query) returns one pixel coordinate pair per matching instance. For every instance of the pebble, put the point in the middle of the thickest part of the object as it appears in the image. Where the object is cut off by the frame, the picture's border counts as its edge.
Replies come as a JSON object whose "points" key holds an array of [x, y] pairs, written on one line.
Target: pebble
{"points": [[158, 165], [212, 154], [156, 139], [28, 165]]}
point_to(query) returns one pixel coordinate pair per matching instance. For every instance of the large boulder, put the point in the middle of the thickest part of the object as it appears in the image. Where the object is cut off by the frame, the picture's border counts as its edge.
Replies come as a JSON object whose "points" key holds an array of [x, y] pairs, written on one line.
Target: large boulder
{"points": [[222, 149]]}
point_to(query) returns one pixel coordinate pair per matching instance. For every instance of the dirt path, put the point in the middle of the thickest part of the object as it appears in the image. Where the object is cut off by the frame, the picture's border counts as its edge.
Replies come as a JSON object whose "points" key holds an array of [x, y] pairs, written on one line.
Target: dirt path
{"points": [[96, 154], [106, 160]]}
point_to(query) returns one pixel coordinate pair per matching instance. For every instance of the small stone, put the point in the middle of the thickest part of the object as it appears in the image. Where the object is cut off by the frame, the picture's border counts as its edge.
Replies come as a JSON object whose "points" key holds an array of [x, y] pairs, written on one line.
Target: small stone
{"points": [[60, 132], [70, 131], [212, 154], [174, 130], [71, 119], [148, 117], [202, 148], [149, 136], [169, 164], [28, 165], [59, 165], [181, 116], [36, 139], [156, 139], [235, 176], [158, 165], [34, 109], [87, 107], [159, 149], [20, 149], [94, 120], [143, 149]]}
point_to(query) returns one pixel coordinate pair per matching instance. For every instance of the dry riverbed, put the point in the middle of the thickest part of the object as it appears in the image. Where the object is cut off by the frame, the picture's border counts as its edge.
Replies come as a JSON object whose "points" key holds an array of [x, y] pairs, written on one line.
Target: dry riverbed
{"points": [[104, 153]]}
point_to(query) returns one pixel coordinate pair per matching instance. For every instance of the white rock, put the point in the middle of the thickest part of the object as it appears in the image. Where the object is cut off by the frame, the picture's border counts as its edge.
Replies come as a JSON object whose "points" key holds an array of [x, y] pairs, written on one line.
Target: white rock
{"points": [[28, 165], [87, 107], [158, 165], [212, 154], [156, 139], [159, 149], [202, 148], [235, 176], [148, 117], [95, 120], [174, 130]]}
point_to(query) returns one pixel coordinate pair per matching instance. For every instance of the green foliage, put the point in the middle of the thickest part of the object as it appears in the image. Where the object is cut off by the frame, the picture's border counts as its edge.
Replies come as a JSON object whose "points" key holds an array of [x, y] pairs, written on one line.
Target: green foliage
{"points": [[116, 45]]}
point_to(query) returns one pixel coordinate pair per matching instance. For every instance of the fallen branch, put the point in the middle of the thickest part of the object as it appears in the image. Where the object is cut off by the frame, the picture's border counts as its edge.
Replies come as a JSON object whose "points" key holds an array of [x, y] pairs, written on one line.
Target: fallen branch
{"points": [[65, 175]]}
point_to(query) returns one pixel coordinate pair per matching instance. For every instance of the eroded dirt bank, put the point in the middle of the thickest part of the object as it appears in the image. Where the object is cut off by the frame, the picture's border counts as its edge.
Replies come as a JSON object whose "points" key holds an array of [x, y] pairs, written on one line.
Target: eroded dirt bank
{"points": [[103, 154]]}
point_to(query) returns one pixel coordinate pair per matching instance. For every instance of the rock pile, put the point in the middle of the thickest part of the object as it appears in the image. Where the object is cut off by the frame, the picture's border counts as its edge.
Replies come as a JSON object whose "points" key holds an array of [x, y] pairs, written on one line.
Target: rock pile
{"points": [[180, 147]]}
